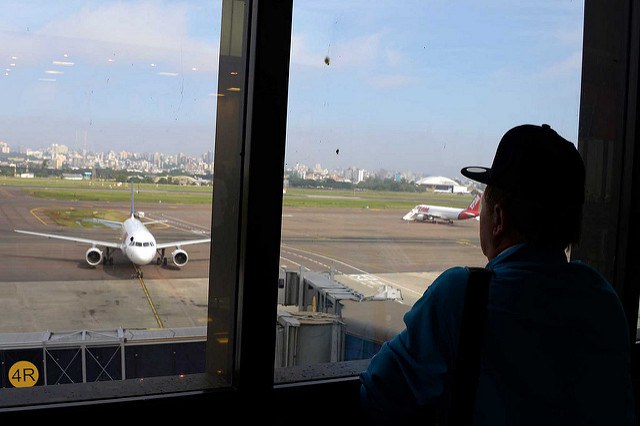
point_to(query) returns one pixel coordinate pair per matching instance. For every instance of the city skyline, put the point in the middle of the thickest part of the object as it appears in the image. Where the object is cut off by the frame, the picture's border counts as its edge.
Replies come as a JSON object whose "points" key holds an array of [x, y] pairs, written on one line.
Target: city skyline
{"points": [[69, 158]]}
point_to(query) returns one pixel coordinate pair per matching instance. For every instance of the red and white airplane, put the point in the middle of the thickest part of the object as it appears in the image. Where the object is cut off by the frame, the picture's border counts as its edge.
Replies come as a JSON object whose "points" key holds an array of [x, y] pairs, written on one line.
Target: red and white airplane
{"points": [[433, 214], [136, 242]]}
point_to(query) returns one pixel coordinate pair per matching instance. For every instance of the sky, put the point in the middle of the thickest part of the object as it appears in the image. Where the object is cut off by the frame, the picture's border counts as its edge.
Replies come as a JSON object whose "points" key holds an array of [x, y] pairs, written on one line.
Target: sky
{"points": [[423, 86]]}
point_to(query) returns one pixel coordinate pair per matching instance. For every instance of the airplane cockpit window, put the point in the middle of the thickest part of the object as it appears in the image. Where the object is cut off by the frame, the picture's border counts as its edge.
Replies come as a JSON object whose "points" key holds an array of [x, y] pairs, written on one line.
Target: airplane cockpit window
{"points": [[387, 102]]}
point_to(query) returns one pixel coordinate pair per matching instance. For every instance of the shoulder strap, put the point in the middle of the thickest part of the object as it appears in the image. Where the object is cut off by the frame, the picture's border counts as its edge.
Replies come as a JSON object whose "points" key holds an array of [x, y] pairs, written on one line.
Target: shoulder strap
{"points": [[467, 366]]}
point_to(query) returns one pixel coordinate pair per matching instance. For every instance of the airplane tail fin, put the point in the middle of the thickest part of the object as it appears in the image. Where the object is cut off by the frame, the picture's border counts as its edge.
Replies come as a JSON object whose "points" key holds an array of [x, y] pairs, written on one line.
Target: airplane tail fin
{"points": [[132, 209], [473, 210], [474, 206]]}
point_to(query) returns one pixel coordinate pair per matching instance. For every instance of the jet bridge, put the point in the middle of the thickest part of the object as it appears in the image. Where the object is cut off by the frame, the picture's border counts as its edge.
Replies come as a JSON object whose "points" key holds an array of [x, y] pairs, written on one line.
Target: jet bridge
{"points": [[48, 358]]}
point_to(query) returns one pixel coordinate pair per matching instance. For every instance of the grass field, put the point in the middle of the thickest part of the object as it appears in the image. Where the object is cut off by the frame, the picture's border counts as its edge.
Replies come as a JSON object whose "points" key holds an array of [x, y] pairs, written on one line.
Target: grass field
{"points": [[296, 197], [81, 217], [59, 189]]}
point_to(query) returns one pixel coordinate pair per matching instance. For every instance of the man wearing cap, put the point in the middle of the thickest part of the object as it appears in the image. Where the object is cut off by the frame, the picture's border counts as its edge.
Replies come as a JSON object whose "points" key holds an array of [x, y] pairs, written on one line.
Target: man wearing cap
{"points": [[556, 347]]}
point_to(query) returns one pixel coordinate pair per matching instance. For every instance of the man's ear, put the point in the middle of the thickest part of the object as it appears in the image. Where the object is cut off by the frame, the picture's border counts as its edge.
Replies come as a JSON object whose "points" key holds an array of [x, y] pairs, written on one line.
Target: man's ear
{"points": [[499, 218]]}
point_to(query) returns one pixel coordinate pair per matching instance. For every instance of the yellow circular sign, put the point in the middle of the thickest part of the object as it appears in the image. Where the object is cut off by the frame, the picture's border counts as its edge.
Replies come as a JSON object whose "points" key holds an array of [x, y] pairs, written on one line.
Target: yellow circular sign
{"points": [[23, 374]]}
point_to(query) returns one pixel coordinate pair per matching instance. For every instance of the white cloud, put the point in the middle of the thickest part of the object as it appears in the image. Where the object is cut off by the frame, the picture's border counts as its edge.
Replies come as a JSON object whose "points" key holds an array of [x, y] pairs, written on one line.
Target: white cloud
{"points": [[357, 52], [145, 24], [303, 55], [570, 66], [126, 32], [396, 58]]}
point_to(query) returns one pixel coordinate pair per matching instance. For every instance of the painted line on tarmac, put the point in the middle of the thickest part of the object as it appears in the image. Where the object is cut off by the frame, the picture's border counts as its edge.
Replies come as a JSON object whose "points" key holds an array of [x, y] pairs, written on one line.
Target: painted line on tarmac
{"points": [[146, 292], [34, 214]]}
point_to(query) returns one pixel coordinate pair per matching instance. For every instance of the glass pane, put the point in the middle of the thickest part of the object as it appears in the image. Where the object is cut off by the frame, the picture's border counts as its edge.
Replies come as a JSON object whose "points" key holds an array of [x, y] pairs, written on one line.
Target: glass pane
{"points": [[97, 95], [388, 101]]}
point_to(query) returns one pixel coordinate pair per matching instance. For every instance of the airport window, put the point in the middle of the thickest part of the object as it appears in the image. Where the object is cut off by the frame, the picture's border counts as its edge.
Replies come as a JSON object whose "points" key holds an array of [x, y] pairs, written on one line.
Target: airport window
{"points": [[149, 63], [387, 103], [108, 123]]}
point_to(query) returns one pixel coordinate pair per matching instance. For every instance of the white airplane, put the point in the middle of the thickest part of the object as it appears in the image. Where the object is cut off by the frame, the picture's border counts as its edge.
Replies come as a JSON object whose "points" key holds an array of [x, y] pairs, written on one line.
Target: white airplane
{"points": [[433, 214], [137, 243]]}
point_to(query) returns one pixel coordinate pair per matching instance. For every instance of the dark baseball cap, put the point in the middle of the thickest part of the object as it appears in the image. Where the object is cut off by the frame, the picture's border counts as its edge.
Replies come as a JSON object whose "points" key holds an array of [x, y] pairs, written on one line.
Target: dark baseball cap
{"points": [[535, 163]]}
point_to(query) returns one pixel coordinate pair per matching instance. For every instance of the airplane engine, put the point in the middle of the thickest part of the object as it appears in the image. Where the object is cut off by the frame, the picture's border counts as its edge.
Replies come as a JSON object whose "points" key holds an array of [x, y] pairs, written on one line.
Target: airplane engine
{"points": [[180, 257], [94, 256], [425, 218]]}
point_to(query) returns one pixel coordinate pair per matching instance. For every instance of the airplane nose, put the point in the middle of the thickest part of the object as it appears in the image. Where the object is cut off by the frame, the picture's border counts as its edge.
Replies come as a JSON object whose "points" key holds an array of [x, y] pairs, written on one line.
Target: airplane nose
{"points": [[144, 256], [149, 255]]}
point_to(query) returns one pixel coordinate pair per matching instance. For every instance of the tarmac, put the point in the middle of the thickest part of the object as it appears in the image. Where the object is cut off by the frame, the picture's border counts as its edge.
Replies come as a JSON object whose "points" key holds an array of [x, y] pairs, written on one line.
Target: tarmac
{"points": [[46, 285]]}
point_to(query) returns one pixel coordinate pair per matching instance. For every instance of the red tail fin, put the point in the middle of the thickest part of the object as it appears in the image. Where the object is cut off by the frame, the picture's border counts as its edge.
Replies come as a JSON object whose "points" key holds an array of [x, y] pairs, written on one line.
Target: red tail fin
{"points": [[475, 204], [473, 210]]}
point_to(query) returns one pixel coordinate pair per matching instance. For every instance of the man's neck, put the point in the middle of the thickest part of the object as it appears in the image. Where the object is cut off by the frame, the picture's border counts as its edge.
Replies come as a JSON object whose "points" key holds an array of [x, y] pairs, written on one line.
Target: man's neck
{"points": [[506, 244]]}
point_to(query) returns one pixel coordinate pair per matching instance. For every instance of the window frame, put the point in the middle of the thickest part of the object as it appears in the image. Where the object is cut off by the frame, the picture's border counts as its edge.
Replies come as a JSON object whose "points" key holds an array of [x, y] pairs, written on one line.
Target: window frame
{"points": [[255, 238], [244, 250]]}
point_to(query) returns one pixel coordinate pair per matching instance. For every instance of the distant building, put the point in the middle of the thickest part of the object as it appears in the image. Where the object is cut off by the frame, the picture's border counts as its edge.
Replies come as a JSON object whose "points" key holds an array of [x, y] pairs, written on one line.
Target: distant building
{"points": [[72, 176], [442, 184], [58, 161], [59, 149]]}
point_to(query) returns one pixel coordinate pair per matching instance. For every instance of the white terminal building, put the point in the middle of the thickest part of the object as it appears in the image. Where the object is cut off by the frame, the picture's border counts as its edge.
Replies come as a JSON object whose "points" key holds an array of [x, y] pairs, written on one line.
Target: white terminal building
{"points": [[443, 184]]}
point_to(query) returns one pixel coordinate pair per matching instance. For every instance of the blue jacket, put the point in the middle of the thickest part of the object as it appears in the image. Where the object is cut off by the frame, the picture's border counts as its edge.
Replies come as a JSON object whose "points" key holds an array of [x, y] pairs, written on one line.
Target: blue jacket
{"points": [[556, 350]]}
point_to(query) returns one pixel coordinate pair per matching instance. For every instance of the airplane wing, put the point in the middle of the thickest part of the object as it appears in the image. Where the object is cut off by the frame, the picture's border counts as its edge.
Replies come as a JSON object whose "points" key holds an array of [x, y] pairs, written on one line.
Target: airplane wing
{"points": [[154, 222], [75, 239], [412, 213], [423, 210], [182, 243]]}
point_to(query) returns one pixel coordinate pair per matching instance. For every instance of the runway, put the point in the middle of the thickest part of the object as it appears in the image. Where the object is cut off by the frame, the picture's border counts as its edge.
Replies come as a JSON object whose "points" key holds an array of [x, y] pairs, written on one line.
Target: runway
{"points": [[46, 284]]}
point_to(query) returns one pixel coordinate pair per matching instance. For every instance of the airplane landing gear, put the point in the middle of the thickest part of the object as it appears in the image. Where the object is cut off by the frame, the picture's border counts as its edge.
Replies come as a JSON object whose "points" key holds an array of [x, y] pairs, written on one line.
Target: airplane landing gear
{"points": [[161, 258], [108, 259]]}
